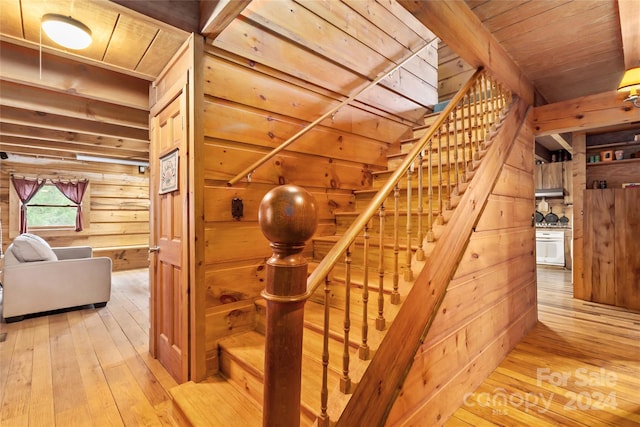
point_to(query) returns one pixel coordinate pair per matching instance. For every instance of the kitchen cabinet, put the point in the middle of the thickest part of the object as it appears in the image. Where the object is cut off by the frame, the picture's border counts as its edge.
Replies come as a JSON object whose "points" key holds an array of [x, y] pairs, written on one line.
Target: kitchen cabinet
{"points": [[548, 175], [611, 246]]}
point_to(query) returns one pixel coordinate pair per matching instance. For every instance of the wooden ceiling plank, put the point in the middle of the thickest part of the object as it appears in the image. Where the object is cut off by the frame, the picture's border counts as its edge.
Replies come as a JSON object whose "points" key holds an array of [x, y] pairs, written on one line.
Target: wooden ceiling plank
{"points": [[39, 99], [26, 131], [490, 9], [554, 21], [54, 121], [403, 17], [183, 14], [587, 112], [629, 20], [453, 22], [518, 15], [215, 16], [10, 141], [11, 18], [129, 41], [156, 58], [19, 64]]}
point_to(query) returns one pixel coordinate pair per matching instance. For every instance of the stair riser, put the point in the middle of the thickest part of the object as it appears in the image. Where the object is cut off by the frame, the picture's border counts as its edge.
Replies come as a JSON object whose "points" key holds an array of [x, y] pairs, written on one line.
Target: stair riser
{"points": [[337, 295], [252, 383]]}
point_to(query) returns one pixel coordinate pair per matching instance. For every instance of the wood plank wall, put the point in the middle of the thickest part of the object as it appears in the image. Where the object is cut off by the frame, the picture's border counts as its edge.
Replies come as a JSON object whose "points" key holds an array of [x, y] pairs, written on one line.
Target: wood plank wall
{"points": [[118, 206], [265, 78], [490, 303], [74, 108]]}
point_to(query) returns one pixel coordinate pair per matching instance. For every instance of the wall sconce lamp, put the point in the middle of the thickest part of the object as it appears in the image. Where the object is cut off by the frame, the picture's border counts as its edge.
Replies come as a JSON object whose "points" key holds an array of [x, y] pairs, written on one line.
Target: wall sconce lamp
{"points": [[631, 82], [66, 31]]}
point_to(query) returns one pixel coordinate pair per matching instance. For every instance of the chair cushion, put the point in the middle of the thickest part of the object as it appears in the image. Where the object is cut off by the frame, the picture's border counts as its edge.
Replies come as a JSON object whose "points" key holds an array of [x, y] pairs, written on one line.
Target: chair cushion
{"points": [[29, 248]]}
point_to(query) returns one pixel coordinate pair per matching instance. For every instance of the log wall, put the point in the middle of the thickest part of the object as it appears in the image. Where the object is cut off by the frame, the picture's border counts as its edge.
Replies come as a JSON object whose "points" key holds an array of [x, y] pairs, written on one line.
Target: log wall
{"points": [[117, 204], [490, 303], [49, 116]]}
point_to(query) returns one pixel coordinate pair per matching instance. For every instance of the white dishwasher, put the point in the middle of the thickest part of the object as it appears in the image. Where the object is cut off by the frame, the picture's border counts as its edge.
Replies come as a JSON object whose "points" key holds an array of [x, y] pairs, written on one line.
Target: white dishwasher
{"points": [[550, 247]]}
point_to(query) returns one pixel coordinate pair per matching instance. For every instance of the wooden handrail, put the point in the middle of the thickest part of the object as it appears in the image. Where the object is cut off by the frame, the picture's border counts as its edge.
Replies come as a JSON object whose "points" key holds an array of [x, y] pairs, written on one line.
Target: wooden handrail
{"points": [[329, 261], [249, 170]]}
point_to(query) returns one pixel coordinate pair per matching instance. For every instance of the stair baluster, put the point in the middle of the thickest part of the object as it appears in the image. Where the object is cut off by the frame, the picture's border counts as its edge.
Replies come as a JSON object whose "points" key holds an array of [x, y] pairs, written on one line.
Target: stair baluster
{"points": [[380, 321], [323, 417], [456, 177], [440, 179], [364, 346], [345, 380], [420, 251], [396, 238], [408, 274]]}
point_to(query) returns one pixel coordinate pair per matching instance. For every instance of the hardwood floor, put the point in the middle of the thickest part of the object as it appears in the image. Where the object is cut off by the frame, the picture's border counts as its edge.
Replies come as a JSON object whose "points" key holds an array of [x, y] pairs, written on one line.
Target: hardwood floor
{"points": [[86, 367], [580, 366]]}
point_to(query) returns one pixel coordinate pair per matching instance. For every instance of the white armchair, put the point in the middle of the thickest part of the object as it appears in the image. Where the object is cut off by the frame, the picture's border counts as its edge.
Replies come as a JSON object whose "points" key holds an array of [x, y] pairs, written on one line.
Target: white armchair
{"points": [[39, 278]]}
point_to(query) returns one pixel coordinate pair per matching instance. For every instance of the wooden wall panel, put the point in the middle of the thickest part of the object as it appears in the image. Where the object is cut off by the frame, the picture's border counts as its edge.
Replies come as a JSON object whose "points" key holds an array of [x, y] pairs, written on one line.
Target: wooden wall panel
{"points": [[118, 206], [599, 245], [490, 302]]}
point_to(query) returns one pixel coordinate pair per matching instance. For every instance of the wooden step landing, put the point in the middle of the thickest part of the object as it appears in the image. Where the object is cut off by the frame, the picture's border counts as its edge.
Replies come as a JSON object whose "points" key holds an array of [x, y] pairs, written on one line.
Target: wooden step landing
{"points": [[242, 361], [215, 402]]}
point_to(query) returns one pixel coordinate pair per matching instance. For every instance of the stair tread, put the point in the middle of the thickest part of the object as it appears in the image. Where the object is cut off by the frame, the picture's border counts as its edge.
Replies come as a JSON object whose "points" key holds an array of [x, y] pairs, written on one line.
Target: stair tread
{"points": [[200, 404], [248, 347]]}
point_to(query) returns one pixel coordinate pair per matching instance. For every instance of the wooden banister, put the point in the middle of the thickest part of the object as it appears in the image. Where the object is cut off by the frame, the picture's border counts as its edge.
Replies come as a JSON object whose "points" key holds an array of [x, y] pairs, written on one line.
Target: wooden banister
{"points": [[329, 261], [250, 169], [288, 217]]}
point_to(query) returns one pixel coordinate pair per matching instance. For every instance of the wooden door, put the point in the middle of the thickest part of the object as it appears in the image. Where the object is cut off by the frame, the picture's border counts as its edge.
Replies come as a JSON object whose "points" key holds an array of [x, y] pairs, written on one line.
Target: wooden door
{"points": [[169, 279]]}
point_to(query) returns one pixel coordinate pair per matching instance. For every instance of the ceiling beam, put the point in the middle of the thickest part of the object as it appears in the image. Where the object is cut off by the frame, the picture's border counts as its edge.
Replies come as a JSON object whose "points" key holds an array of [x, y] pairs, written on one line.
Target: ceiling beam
{"points": [[563, 142], [629, 20], [215, 16], [463, 32], [584, 113]]}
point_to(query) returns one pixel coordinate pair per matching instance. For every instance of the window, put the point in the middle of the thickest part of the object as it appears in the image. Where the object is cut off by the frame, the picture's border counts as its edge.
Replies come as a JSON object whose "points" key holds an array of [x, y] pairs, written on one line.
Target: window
{"points": [[50, 208]]}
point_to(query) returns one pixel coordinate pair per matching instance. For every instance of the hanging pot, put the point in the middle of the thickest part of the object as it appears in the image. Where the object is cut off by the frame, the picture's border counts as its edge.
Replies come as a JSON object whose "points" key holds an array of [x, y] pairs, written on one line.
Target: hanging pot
{"points": [[564, 219], [539, 217], [551, 218]]}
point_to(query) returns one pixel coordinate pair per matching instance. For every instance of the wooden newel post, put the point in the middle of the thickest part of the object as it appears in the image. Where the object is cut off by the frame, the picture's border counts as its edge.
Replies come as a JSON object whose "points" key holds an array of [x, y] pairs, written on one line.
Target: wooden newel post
{"points": [[288, 218]]}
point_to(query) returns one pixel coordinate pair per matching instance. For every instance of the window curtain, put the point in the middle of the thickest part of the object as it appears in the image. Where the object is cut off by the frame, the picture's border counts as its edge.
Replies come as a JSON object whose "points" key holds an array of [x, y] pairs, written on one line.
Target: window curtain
{"points": [[26, 189], [75, 193]]}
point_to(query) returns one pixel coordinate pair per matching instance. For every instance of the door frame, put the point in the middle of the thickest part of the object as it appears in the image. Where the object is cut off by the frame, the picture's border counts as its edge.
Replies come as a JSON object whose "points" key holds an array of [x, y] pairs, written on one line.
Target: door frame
{"points": [[184, 72]]}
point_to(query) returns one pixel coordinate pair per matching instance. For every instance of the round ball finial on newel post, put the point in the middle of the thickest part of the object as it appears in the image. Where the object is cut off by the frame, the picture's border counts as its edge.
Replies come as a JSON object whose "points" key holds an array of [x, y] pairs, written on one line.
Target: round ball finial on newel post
{"points": [[288, 217]]}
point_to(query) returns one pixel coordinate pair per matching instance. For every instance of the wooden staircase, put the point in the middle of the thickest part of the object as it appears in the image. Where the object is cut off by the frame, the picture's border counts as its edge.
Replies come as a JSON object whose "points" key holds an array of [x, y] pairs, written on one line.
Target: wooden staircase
{"points": [[235, 396]]}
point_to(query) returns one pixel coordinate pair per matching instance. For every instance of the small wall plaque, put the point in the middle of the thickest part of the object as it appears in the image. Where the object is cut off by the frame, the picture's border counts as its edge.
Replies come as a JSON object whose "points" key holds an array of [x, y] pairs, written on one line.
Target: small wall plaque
{"points": [[169, 172]]}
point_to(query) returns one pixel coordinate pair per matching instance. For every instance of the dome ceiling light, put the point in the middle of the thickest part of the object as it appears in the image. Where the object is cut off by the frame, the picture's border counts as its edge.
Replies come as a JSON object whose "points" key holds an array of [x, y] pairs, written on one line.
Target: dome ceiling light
{"points": [[66, 31]]}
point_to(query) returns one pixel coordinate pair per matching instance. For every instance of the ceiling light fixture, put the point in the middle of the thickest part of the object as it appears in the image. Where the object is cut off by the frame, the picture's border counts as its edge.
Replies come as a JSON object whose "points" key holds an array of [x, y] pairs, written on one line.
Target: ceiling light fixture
{"points": [[66, 31], [631, 82]]}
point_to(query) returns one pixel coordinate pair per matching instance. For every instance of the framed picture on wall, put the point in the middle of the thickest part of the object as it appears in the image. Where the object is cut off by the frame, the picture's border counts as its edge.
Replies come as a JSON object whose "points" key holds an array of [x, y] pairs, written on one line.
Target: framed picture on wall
{"points": [[169, 172]]}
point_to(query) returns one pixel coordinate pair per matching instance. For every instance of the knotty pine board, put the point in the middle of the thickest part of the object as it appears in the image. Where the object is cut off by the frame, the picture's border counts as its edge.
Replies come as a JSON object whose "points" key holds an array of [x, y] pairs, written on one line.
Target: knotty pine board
{"points": [[627, 248], [223, 161], [437, 362], [599, 245], [234, 122]]}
